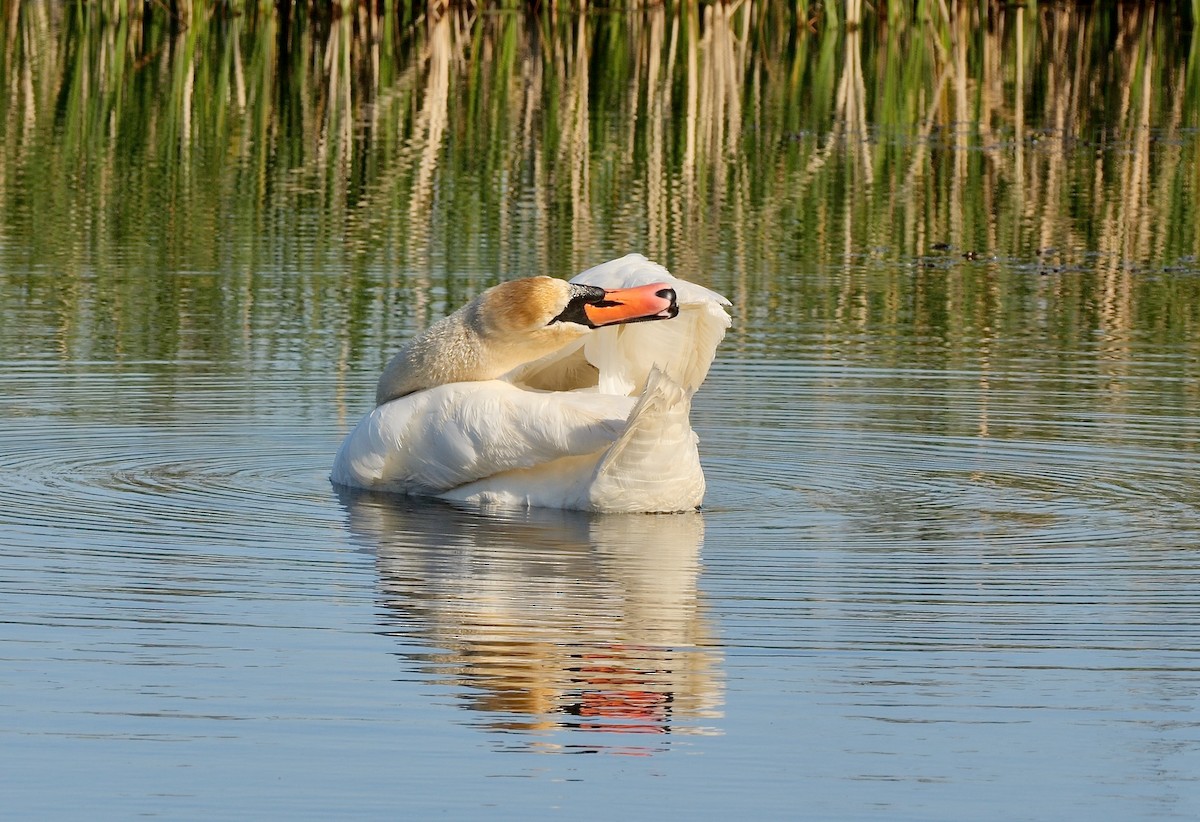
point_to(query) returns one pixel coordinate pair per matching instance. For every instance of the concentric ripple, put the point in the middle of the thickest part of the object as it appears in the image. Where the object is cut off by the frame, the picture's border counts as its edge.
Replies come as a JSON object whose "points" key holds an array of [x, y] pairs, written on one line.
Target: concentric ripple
{"points": [[165, 495], [154, 479], [895, 456], [1029, 519]]}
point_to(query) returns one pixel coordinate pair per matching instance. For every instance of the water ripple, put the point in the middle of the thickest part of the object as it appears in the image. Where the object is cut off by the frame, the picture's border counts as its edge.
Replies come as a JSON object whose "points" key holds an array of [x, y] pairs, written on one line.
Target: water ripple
{"points": [[924, 457]]}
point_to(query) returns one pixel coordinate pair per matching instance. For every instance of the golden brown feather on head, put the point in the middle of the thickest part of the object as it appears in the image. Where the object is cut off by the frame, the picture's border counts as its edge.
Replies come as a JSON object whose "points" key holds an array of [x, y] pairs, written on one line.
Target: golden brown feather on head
{"points": [[521, 313], [511, 324]]}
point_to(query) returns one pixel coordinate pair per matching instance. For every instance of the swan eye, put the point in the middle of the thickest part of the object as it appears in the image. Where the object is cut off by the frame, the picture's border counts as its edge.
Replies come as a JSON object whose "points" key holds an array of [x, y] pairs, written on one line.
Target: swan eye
{"points": [[573, 313], [582, 295]]}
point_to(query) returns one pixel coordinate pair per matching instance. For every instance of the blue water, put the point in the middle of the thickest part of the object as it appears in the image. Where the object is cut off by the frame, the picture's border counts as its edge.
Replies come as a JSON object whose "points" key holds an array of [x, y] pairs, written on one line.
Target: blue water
{"points": [[868, 620]]}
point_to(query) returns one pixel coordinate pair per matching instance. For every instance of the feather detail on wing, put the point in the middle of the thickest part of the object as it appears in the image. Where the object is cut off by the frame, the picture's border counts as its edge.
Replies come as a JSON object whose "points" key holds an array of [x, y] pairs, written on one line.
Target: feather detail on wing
{"points": [[683, 348], [654, 465], [454, 434]]}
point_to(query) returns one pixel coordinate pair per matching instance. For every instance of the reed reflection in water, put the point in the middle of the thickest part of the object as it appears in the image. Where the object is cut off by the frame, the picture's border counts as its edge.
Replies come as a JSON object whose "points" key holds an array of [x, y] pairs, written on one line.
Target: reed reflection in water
{"points": [[942, 179], [548, 620]]}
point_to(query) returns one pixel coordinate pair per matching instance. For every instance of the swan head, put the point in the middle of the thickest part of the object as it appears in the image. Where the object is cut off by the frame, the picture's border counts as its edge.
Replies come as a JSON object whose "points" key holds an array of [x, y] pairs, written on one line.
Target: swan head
{"points": [[534, 310], [514, 323]]}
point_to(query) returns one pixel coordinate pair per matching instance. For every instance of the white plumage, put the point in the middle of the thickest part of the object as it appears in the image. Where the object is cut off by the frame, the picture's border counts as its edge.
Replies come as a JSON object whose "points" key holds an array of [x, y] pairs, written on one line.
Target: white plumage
{"points": [[589, 418]]}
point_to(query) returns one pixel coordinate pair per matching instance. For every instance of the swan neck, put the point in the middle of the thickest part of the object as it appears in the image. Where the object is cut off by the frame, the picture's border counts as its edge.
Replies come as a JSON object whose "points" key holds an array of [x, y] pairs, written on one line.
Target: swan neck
{"points": [[450, 350]]}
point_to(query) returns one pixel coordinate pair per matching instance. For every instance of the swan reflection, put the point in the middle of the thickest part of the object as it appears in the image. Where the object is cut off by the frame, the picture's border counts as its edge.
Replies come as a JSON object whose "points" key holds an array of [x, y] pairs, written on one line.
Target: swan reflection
{"points": [[548, 621]]}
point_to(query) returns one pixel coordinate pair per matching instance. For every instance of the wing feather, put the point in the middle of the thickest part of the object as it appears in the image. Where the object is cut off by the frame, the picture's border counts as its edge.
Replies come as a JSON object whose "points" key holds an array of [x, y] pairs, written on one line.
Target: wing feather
{"points": [[439, 439], [683, 348]]}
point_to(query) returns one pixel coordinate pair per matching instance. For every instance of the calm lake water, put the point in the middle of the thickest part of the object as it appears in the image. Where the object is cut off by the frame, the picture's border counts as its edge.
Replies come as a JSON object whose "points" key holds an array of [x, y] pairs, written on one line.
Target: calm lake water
{"points": [[948, 566]]}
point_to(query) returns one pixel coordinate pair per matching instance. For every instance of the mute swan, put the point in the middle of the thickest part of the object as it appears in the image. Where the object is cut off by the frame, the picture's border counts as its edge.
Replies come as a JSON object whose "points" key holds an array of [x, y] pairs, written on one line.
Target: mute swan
{"points": [[543, 392]]}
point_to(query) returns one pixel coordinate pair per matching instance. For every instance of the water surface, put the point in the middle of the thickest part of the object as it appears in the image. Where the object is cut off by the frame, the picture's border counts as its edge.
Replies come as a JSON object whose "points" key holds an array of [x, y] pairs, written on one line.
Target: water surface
{"points": [[946, 566]]}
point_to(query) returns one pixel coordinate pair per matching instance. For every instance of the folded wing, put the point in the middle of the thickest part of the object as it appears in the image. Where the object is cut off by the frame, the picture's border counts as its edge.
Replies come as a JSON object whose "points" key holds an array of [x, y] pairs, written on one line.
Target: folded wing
{"points": [[682, 348], [454, 434]]}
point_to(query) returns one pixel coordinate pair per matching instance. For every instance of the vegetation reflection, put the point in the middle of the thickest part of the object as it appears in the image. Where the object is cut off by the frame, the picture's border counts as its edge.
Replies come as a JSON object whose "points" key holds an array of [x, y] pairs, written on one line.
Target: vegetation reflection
{"points": [[951, 171]]}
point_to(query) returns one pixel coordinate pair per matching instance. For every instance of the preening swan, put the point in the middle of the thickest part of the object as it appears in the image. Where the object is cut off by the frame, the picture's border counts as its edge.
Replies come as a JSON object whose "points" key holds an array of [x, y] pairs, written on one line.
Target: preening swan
{"points": [[543, 392]]}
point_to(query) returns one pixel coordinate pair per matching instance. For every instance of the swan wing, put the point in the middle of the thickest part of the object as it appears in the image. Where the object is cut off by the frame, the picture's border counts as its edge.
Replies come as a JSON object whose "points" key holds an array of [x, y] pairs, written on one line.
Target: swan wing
{"points": [[652, 466], [683, 348], [445, 437]]}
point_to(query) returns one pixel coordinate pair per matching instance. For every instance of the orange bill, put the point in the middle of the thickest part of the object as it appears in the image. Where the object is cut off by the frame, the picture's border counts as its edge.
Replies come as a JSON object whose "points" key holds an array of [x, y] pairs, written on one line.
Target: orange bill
{"points": [[630, 305]]}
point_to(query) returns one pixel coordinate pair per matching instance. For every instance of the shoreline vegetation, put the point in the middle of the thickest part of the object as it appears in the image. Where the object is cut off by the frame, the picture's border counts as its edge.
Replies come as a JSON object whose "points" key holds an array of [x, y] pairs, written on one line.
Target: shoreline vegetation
{"points": [[956, 168]]}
